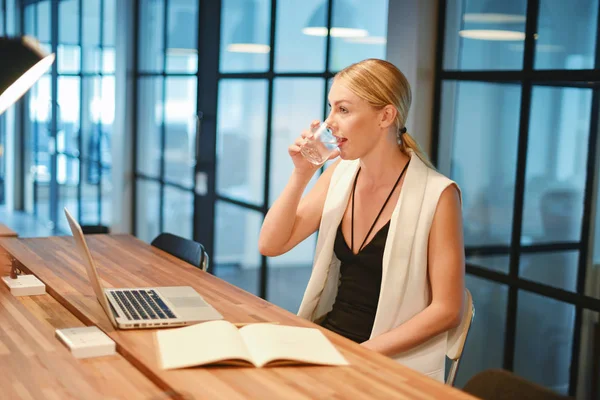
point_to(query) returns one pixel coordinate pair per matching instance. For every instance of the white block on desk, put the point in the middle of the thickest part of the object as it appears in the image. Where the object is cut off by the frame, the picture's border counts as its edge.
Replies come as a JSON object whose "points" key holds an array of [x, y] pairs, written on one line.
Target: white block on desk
{"points": [[86, 341], [25, 285]]}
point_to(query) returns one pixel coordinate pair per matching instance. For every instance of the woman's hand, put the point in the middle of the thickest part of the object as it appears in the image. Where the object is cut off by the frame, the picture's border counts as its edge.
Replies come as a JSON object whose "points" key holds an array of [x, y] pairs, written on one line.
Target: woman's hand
{"points": [[301, 164]]}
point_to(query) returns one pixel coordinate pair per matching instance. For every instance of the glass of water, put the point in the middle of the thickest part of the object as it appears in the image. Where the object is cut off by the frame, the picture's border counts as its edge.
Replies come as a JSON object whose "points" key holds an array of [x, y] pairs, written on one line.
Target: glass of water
{"points": [[319, 147]]}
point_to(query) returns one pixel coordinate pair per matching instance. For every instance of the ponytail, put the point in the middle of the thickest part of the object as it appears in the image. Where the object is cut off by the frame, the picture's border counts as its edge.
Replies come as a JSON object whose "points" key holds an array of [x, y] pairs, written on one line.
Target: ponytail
{"points": [[407, 142]]}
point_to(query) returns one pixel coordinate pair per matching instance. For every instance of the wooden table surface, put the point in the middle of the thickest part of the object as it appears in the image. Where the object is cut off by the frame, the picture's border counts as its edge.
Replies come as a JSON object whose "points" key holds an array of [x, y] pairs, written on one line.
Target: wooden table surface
{"points": [[124, 261], [35, 365]]}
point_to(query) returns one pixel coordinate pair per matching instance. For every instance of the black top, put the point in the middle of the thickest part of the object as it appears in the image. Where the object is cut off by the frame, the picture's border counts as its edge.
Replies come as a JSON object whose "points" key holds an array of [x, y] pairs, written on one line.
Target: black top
{"points": [[353, 312]]}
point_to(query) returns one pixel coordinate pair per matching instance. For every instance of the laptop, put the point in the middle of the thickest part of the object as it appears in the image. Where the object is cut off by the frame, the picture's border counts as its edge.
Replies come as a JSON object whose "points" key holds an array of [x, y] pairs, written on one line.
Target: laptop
{"points": [[135, 308]]}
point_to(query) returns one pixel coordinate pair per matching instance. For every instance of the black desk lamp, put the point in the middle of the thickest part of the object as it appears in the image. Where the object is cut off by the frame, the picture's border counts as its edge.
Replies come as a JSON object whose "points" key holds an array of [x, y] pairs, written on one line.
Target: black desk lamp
{"points": [[22, 63]]}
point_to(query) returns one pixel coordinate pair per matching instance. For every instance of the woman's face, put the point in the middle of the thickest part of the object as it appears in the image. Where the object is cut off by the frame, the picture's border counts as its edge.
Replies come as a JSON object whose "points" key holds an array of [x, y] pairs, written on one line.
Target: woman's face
{"points": [[353, 122]]}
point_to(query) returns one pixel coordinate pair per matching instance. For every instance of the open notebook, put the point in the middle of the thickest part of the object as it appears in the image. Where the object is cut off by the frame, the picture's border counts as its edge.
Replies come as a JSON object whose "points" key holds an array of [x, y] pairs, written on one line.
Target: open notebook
{"points": [[221, 342]]}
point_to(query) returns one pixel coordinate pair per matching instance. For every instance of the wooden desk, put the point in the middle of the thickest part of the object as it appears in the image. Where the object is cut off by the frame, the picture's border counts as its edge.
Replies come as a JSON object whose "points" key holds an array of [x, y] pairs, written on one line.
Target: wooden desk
{"points": [[35, 365], [5, 231], [124, 261]]}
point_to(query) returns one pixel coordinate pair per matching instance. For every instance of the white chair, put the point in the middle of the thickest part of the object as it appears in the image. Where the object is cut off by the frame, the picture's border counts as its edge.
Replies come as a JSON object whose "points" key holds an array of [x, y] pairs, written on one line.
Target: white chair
{"points": [[458, 336]]}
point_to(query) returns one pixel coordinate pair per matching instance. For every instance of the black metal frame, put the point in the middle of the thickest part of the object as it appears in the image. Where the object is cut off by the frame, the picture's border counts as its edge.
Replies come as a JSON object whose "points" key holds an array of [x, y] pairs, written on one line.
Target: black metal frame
{"points": [[101, 166], [54, 10], [163, 139], [81, 84], [206, 95], [527, 78], [134, 124], [22, 116]]}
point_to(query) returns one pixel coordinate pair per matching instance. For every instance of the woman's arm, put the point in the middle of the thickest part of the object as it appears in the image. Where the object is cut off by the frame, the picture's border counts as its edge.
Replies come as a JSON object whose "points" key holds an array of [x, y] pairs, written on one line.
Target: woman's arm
{"points": [[446, 274], [292, 219]]}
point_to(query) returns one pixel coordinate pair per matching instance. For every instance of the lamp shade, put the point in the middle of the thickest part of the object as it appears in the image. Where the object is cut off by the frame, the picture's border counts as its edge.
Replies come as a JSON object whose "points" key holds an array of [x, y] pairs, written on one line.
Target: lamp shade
{"points": [[242, 40], [22, 63], [343, 23], [247, 29]]}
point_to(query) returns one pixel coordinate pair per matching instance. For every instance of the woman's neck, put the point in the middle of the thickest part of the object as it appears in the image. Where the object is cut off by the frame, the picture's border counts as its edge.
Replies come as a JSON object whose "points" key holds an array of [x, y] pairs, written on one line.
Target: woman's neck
{"points": [[382, 167]]}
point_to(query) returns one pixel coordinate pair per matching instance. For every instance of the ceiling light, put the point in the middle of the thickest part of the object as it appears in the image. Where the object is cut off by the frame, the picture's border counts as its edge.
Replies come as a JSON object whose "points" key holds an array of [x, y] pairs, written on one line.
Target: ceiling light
{"points": [[336, 32], [492, 34], [367, 40], [343, 23], [248, 48]]}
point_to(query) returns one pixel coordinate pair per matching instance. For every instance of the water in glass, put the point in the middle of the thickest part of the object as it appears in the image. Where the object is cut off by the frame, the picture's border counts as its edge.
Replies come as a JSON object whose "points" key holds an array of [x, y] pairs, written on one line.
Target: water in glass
{"points": [[318, 148]]}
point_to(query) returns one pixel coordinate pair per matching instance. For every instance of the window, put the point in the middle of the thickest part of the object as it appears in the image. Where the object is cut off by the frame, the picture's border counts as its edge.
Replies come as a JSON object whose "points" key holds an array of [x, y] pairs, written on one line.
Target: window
{"points": [[518, 132], [275, 62], [70, 113]]}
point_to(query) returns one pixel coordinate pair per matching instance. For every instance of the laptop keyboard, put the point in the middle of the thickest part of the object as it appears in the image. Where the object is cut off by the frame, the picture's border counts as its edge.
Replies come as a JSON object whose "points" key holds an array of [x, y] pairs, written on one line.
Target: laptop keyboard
{"points": [[142, 304]]}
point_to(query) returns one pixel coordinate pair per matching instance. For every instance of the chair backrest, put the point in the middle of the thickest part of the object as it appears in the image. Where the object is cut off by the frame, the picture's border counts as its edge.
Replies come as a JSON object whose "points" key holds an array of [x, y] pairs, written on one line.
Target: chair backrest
{"points": [[182, 248], [458, 336], [498, 384], [95, 229]]}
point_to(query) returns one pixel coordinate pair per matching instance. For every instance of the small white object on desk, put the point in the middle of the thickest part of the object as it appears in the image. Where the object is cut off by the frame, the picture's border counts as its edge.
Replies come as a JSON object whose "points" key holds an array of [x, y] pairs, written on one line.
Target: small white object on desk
{"points": [[86, 341], [24, 285]]}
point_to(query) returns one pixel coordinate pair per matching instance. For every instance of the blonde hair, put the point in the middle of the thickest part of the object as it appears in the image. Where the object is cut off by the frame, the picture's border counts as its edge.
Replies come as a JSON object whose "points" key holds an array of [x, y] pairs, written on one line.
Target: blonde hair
{"points": [[380, 83]]}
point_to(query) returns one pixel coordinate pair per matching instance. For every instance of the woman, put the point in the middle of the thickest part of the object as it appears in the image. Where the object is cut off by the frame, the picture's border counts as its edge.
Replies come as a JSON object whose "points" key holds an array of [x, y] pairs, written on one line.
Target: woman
{"points": [[389, 265]]}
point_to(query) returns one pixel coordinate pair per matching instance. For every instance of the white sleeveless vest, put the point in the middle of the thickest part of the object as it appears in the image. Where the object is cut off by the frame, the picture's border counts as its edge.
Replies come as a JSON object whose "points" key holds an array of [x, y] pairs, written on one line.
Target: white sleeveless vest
{"points": [[405, 289]]}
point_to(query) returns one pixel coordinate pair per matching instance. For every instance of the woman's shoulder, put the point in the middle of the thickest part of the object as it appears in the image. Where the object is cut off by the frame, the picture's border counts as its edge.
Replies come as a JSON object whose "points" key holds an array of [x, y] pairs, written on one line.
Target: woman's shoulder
{"points": [[437, 176], [424, 169], [436, 181]]}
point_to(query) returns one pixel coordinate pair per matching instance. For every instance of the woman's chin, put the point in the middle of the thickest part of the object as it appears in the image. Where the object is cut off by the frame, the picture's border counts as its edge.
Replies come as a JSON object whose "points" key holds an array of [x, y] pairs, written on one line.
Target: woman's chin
{"points": [[344, 155]]}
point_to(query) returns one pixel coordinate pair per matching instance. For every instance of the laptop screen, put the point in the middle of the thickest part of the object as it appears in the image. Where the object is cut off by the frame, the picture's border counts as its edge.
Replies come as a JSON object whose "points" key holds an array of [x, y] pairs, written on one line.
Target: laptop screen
{"points": [[89, 265]]}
